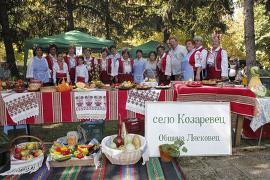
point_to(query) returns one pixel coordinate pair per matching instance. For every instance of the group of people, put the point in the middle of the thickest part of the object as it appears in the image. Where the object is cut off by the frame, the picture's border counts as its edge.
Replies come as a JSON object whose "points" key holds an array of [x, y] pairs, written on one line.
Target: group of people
{"points": [[177, 62]]}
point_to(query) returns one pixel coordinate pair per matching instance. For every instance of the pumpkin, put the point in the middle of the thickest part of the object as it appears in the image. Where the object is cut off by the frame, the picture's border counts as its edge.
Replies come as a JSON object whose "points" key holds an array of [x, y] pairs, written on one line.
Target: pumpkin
{"points": [[63, 86]]}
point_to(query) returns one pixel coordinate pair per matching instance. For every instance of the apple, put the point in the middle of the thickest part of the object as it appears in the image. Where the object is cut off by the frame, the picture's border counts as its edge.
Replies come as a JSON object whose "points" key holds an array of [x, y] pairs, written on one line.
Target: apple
{"points": [[18, 150], [25, 153], [17, 156], [30, 146]]}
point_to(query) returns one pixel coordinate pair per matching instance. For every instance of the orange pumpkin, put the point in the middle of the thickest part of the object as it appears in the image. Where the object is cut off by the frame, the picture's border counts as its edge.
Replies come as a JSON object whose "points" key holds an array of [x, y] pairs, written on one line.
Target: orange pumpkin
{"points": [[63, 86]]}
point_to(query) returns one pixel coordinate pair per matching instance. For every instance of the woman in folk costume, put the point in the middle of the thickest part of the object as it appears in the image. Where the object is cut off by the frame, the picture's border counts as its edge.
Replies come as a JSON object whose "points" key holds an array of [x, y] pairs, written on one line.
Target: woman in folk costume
{"points": [[113, 64], [198, 59], [151, 66], [188, 74], [88, 58], [72, 61], [103, 75], [163, 58], [217, 60], [125, 67], [139, 67], [81, 74], [60, 70], [52, 56], [38, 68]]}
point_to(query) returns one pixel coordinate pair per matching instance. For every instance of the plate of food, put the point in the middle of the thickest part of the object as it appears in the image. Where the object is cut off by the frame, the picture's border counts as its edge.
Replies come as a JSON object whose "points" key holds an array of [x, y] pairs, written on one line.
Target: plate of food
{"points": [[162, 86], [194, 84], [126, 85], [142, 87], [210, 82]]}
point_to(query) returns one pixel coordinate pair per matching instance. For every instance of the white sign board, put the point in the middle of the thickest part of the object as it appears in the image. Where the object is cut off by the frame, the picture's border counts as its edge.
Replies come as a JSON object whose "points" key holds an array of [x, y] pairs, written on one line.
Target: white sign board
{"points": [[78, 51], [205, 127]]}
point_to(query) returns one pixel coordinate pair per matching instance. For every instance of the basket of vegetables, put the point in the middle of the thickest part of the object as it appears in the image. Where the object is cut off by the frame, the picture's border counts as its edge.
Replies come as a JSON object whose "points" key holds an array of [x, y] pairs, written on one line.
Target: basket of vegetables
{"points": [[124, 151], [26, 157]]}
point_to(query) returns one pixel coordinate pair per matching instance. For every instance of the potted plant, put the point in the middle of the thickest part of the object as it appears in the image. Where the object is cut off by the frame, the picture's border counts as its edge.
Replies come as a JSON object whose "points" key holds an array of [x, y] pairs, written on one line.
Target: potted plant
{"points": [[170, 151]]}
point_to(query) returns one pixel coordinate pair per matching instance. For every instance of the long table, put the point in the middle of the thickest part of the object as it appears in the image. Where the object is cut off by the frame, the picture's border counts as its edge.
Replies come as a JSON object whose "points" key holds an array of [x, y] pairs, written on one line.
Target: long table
{"points": [[242, 100], [59, 107], [56, 107]]}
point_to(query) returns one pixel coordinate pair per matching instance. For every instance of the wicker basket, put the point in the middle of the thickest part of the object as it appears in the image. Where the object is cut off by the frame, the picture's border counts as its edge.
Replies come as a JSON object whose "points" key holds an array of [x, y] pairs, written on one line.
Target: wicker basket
{"points": [[34, 85], [122, 157], [48, 89], [24, 166]]}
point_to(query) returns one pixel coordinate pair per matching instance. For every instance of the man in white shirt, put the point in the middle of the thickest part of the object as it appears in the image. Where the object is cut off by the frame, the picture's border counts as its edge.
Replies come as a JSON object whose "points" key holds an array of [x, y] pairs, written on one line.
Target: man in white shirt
{"points": [[113, 64], [200, 58], [176, 55], [217, 61]]}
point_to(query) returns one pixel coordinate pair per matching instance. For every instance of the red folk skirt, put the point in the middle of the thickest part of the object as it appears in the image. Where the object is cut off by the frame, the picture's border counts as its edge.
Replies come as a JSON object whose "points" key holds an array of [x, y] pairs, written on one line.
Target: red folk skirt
{"points": [[163, 79], [105, 78], [80, 79], [212, 73], [72, 73], [125, 77]]}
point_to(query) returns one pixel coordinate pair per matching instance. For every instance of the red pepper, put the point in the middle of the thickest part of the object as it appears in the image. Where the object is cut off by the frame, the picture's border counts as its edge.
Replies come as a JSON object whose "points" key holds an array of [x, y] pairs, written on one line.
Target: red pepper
{"points": [[67, 152], [79, 156]]}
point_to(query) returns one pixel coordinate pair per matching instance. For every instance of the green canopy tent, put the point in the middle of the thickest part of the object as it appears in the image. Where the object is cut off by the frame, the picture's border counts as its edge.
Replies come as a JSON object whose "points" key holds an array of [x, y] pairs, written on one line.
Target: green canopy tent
{"points": [[146, 48], [64, 40]]}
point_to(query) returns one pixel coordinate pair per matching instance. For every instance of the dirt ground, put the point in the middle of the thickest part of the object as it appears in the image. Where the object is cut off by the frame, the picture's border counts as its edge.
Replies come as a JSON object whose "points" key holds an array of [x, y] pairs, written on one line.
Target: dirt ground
{"points": [[242, 164]]}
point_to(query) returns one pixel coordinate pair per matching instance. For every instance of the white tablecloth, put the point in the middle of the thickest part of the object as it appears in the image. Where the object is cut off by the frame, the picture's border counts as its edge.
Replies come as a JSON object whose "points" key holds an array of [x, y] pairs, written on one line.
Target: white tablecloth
{"points": [[263, 116]]}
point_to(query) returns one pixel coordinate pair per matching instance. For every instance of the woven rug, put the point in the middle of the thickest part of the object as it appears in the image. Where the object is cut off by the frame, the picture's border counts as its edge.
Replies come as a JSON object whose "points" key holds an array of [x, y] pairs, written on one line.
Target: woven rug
{"points": [[153, 170]]}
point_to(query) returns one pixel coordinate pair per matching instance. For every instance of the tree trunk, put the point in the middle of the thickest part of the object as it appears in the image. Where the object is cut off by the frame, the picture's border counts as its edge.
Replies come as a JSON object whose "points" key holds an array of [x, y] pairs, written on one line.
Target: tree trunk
{"points": [[70, 19], [7, 36], [166, 35], [249, 35], [107, 19]]}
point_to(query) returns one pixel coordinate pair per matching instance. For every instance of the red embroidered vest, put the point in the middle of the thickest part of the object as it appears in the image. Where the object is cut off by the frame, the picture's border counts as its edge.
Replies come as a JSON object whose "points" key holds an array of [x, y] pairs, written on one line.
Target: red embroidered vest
{"points": [[121, 66], [163, 63], [109, 65], [66, 59], [50, 62], [192, 57]]}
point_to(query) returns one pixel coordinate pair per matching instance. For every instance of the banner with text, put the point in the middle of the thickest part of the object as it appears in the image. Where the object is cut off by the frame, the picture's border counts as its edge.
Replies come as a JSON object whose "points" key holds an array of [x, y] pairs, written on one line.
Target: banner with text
{"points": [[205, 127]]}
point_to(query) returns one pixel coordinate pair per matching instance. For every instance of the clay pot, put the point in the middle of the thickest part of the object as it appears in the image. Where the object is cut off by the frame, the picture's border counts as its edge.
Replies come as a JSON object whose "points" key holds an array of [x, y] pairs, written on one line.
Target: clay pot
{"points": [[164, 155]]}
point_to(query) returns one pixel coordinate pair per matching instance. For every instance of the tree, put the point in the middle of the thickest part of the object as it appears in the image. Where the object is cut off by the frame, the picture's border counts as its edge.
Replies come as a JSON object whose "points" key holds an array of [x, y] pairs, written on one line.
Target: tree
{"points": [[7, 36], [249, 35]]}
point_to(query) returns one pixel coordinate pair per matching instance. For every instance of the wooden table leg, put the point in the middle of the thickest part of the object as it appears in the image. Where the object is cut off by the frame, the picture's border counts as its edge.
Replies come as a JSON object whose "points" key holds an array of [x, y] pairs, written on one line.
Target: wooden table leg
{"points": [[238, 130]]}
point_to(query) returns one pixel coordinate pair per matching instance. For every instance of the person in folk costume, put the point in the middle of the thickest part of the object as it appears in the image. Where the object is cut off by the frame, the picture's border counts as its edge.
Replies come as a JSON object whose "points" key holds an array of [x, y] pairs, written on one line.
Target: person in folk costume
{"points": [[162, 63], [103, 75], [151, 66], [88, 58], [113, 64], [139, 67], [232, 69], [60, 70], [72, 61], [198, 59], [38, 68], [176, 54], [125, 67], [81, 74], [52, 55], [217, 60], [187, 69]]}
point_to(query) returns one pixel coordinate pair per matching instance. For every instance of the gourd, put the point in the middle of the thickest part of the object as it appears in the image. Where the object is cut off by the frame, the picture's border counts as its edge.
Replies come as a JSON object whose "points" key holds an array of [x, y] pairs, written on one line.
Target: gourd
{"points": [[63, 86], [130, 147], [136, 141], [255, 83]]}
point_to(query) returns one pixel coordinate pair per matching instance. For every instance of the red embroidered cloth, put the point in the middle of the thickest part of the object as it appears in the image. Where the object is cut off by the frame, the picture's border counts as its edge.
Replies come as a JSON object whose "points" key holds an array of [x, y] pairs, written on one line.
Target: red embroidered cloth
{"points": [[242, 100], [59, 107]]}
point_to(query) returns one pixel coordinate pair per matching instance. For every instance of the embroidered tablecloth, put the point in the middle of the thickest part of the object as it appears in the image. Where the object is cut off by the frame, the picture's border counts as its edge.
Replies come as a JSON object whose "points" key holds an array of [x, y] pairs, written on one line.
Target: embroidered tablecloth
{"points": [[263, 116], [90, 104], [242, 100], [137, 98], [20, 106], [59, 107]]}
